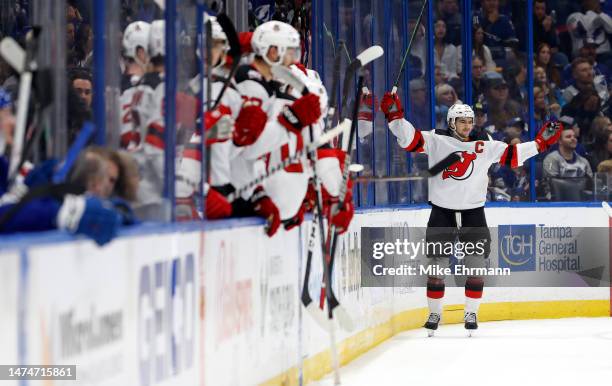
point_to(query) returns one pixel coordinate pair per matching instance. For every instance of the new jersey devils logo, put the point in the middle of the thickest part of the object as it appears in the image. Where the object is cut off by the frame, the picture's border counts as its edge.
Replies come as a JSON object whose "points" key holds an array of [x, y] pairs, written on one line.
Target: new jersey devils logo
{"points": [[462, 169]]}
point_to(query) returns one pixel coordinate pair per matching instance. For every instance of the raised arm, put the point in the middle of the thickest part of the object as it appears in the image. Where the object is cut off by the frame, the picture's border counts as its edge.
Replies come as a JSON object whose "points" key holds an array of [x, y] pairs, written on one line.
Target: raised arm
{"points": [[409, 138]]}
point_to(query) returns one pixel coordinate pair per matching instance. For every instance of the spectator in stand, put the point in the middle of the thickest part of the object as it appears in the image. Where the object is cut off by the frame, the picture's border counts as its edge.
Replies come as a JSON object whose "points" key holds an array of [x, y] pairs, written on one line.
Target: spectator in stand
{"points": [[448, 11], [593, 24], [501, 107], [570, 123], [553, 94], [481, 50], [515, 74], [544, 29], [600, 70], [543, 59], [81, 82], [444, 53], [601, 149], [419, 103], [585, 80], [83, 46], [565, 162], [79, 98], [445, 98], [584, 107], [477, 82], [481, 121], [498, 29], [550, 99]]}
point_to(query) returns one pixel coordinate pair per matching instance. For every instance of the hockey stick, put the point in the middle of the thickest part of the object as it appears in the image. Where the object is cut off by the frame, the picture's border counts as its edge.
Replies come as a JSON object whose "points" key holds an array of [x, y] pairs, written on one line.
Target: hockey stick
{"points": [[332, 301], [431, 172], [234, 52], [416, 27], [344, 127], [365, 57], [25, 88]]}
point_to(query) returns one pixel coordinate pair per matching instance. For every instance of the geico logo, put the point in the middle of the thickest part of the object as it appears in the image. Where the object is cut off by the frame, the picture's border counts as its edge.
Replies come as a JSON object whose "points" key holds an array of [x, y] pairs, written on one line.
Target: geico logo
{"points": [[166, 315]]}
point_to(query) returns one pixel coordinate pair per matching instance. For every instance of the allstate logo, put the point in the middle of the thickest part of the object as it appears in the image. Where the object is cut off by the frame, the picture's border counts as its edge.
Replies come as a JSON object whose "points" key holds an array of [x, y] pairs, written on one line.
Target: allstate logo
{"points": [[516, 245]]}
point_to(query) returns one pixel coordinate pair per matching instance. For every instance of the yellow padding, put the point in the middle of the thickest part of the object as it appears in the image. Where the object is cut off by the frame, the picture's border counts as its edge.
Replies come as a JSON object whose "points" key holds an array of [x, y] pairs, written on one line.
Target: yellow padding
{"points": [[319, 365]]}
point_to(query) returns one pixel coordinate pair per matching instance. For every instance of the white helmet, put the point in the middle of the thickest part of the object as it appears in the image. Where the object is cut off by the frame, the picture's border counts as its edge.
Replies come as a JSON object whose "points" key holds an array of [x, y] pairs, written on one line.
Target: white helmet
{"points": [[136, 35], [157, 39], [458, 110], [275, 33]]}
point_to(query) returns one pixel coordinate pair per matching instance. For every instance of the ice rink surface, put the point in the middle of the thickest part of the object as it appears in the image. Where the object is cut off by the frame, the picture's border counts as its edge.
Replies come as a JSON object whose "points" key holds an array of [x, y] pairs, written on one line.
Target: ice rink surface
{"points": [[572, 352]]}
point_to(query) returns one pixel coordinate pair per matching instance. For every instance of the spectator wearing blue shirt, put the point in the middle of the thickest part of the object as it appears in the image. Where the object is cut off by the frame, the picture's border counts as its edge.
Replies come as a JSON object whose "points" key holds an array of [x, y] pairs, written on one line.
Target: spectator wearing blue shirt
{"points": [[498, 29]]}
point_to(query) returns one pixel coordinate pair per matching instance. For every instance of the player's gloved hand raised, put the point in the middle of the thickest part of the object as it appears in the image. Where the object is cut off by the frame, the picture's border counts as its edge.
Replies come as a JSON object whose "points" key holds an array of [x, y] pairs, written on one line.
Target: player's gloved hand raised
{"points": [[392, 106], [264, 207], [217, 205], [249, 124], [218, 124], [89, 216], [303, 112], [548, 135]]}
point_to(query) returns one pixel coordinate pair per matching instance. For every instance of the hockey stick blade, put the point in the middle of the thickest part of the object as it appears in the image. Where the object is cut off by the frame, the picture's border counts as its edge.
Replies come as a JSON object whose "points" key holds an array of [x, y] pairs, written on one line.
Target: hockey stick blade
{"points": [[370, 54], [284, 74], [12, 52], [607, 208]]}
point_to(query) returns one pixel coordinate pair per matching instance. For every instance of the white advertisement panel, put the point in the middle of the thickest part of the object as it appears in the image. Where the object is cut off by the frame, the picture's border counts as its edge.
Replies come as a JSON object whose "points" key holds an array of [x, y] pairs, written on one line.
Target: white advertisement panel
{"points": [[77, 310], [10, 306], [250, 287]]}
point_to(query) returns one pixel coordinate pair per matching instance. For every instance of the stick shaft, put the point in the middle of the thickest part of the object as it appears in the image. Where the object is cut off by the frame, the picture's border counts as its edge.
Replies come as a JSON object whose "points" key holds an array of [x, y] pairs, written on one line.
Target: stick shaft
{"points": [[416, 27]]}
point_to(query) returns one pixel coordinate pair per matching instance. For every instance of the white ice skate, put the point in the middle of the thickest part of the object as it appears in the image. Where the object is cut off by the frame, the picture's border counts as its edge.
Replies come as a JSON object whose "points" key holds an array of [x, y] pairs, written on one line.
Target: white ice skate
{"points": [[471, 322], [432, 323]]}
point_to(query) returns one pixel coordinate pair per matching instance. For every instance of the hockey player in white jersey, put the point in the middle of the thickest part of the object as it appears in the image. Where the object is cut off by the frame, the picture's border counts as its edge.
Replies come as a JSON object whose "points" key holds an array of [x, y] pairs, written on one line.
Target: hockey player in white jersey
{"points": [[219, 125], [136, 59], [459, 192], [274, 44]]}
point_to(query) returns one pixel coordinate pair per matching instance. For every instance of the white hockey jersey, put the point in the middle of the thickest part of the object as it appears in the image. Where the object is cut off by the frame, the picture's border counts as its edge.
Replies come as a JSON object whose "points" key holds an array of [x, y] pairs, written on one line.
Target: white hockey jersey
{"points": [[463, 185]]}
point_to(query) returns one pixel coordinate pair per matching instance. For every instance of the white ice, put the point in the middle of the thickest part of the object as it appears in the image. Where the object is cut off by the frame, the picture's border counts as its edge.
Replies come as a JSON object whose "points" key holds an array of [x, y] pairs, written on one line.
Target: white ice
{"points": [[572, 352]]}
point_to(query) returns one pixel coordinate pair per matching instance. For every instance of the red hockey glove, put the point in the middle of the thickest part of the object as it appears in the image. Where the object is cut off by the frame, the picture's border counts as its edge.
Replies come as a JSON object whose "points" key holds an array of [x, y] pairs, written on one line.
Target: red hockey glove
{"points": [[217, 205], [548, 135], [249, 124], [218, 124], [245, 42], [303, 112], [392, 107], [343, 217], [264, 207], [366, 113]]}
